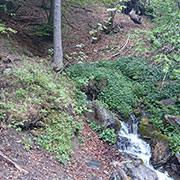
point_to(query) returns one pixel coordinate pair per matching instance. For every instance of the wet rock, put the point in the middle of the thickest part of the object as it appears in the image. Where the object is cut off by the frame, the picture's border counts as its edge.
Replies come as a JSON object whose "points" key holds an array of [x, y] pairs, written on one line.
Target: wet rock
{"points": [[122, 174], [123, 142], [113, 177], [177, 155], [101, 116], [141, 172], [94, 164], [160, 152], [96, 178], [173, 120], [168, 102], [137, 162], [173, 167]]}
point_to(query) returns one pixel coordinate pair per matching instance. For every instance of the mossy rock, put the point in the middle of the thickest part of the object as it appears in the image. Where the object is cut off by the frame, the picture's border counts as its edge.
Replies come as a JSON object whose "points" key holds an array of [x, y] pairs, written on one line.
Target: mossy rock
{"points": [[102, 117], [137, 112], [119, 124], [162, 137], [144, 131], [144, 121]]}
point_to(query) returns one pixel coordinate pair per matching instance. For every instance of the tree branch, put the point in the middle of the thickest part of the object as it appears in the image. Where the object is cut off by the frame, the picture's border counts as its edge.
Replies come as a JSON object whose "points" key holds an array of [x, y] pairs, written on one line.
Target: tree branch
{"points": [[121, 48], [12, 162]]}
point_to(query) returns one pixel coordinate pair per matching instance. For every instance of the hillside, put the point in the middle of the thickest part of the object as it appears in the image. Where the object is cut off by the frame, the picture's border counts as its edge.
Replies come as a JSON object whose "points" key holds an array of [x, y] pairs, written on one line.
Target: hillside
{"points": [[44, 133]]}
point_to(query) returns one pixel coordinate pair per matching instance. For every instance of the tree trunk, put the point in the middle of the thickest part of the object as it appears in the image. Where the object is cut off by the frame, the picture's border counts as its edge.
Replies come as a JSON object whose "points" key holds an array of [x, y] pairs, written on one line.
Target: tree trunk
{"points": [[58, 53], [51, 11]]}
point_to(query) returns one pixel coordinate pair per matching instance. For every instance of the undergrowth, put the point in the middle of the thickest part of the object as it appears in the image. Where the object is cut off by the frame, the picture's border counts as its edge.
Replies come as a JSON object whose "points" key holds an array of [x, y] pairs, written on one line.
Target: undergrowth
{"points": [[33, 100], [131, 83]]}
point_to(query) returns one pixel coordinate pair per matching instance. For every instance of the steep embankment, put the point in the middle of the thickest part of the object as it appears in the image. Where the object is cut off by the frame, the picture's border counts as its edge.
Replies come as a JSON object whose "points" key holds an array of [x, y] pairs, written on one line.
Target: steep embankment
{"points": [[39, 110]]}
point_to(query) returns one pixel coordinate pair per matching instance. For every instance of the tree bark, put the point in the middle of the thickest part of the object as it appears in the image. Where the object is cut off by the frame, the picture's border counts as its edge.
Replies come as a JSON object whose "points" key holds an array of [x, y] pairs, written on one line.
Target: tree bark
{"points": [[58, 53]]}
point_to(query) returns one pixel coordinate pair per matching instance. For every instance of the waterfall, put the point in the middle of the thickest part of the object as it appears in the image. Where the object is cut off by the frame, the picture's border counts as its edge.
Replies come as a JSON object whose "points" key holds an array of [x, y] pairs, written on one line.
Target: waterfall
{"points": [[130, 143]]}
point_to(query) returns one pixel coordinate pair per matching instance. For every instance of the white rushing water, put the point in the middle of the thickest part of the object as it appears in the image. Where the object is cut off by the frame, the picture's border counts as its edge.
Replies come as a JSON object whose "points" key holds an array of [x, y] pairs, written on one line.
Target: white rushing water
{"points": [[130, 143]]}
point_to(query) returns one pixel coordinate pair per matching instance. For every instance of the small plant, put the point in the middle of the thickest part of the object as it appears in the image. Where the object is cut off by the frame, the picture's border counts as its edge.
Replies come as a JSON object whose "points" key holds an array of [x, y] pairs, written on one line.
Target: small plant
{"points": [[45, 30], [5, 30], [27, 143], [95, 127], [109, 136]]}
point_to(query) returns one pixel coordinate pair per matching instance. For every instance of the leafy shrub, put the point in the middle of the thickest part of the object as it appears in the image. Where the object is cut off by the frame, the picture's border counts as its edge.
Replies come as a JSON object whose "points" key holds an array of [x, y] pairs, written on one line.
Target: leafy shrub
{"points": [[109, 136], [126, 81], [5, 30], [164, 37], [45, 30], [131, 82]]}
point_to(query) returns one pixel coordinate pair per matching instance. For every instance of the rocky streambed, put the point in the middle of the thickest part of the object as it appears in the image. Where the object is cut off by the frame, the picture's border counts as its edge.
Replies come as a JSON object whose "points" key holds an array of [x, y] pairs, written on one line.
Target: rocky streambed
{"points": [[139, 155]]}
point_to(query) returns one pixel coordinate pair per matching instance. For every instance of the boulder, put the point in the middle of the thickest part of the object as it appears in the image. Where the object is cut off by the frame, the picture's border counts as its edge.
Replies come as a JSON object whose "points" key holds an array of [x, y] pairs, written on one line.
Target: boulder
{"points": [[140, 172], [168, 102], [173, 166], [173, 120], [94, 164], [96, 113], [132, 170], [136, 18], [160, 151]]}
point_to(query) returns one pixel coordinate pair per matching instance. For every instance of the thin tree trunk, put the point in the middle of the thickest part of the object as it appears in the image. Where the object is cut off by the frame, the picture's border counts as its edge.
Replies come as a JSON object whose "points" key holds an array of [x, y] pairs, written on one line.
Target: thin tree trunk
{"points": [[58, 53], [51, 11]]}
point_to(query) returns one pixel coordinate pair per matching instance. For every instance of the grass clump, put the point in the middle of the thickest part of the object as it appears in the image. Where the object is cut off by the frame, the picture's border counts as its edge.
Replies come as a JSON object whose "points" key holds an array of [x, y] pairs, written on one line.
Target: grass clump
{"points": [[33, 100]]}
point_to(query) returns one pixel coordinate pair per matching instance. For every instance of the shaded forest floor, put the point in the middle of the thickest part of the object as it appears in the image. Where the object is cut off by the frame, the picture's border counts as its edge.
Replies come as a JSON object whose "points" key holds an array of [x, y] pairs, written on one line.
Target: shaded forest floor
{"points": [[77, 23], [40, 164]]}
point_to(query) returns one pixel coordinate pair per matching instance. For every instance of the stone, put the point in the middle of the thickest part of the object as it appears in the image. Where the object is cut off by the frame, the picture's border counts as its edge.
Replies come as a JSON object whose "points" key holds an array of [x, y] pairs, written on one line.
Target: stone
{"points": [[137, 162], [101, 116], [122, 174], [173, 166], [136, 18], [168, 102], [7, 71], [173, 120], [177, 155], [94, 164], [160, 152], [95, 178], [141, 172], [113, 177]]}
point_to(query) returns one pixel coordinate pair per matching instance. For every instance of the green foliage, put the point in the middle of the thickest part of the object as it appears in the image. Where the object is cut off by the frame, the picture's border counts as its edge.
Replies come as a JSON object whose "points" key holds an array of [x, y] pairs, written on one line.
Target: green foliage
{"points": [[77, 55], [27, 143], [109, 136], [5, 30], [57, 137], [45, 30], [33, 97], [95, 127], [164, 37], [126, 81], [131, 82]]}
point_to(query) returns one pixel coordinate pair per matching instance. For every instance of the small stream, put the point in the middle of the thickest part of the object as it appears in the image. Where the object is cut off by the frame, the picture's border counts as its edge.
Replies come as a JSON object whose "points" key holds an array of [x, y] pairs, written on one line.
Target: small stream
{"points": [[130, 143]]}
